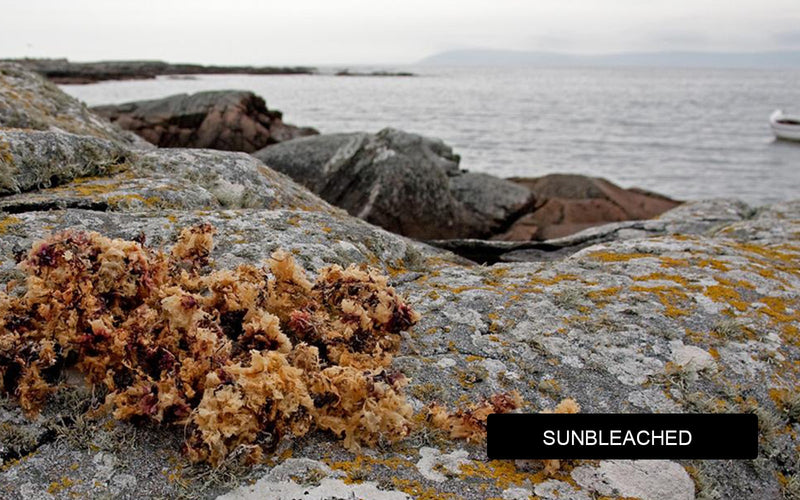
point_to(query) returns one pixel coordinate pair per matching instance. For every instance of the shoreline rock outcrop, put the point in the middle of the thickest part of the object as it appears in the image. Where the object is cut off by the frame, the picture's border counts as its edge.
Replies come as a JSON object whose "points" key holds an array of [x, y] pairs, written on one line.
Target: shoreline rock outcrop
{"points": [[227, 120], [569, 203], [412, 185], [399, 181], [695, 311], [66, 72], [29, 101]]}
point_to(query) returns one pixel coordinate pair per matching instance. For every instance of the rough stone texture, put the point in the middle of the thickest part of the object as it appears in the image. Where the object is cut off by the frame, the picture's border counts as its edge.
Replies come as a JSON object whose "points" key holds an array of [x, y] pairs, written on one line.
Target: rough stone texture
{"points": [[696, 218], [490, 198], [626, 324], [32, 160], [29, 101], [100, 175], [600, 326], [570, 203], [406, 183], [280, 483], [229, 120], [645, 479]]}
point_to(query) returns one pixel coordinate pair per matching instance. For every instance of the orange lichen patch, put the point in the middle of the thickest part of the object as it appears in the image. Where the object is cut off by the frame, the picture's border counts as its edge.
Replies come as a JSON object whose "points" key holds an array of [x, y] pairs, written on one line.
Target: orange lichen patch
{"points": [[89, 186], [604, 294], [791, 333], [498, 272], [396, 268], [470, 423], [236, 357], [618, 257], [713, 264], [786, 252], [671, 262], [781, 396], [57, 487], [420, 492], [780, 310], [671, 297], [558, 278], [7, 222], [664, 277], [5, 153], [363, 465], [726, 293], [505, 473]]}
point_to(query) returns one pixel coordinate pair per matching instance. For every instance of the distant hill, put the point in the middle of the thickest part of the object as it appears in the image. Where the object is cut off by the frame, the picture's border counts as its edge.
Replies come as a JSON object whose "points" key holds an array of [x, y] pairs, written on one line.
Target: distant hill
{"points": [[488, 57]]}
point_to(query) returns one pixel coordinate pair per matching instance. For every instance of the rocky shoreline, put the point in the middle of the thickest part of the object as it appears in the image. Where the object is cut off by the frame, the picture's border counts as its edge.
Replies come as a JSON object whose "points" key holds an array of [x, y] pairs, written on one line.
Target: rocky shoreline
{"points": [[406, 183], [693, 311], [224, 120], [63, 71], [67, 72]]}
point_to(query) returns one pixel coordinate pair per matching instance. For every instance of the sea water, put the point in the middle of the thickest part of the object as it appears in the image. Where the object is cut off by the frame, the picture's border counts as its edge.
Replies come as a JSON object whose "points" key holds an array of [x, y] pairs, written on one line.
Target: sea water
{"points": [[686, 133]]}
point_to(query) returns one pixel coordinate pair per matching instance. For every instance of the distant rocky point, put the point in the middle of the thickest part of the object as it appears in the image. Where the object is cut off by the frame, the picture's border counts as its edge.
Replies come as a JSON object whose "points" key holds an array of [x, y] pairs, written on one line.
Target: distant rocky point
{"points": [[228, 120], [64, 71], [347, 72]]}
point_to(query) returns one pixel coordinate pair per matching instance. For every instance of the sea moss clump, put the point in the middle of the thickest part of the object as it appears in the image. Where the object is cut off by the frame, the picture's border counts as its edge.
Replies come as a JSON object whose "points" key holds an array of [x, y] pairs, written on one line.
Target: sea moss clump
{"points": [[238, 357], [470, 423]]}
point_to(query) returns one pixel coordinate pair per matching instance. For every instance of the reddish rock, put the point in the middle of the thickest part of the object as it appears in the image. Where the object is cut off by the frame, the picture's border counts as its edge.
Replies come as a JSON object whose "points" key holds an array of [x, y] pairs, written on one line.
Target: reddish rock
{"points": [[567, 204], [226, 120]]}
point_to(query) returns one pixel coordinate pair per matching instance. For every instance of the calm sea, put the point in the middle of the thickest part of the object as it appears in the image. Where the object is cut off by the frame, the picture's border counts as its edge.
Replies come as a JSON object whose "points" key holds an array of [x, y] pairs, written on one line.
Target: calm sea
{"points": [[687, 133]]}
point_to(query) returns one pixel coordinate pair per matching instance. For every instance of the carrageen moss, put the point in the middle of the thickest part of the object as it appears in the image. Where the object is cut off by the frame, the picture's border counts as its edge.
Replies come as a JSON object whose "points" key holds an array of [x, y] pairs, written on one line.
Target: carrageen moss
{"points": [[238, 358]]}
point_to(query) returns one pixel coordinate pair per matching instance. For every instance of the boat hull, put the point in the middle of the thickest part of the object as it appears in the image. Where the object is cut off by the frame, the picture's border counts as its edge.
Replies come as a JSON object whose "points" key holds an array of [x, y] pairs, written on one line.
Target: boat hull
{"points": [[785, 127], [786, 132]]}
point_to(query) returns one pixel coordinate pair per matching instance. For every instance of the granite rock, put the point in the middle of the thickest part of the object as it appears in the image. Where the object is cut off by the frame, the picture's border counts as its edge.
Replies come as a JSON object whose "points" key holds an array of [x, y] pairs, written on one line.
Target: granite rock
{"points": [[29, 101], [406, 183], [228, 120]]}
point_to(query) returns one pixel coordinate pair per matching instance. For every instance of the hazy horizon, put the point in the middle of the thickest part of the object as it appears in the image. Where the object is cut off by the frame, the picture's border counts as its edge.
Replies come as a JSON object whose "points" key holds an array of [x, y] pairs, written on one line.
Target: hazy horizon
{"points": [[319, 32]]}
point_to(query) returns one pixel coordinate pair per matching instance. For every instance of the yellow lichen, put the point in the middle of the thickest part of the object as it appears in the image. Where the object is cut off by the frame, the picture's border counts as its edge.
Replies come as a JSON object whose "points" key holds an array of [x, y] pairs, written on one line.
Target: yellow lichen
{"points": [[618, 257], [671, 297], [7, 222]]}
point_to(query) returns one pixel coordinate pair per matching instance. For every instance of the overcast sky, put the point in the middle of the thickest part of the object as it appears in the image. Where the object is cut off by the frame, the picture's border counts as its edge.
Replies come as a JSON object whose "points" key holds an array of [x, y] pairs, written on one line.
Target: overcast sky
{"points": [[375, 31]]}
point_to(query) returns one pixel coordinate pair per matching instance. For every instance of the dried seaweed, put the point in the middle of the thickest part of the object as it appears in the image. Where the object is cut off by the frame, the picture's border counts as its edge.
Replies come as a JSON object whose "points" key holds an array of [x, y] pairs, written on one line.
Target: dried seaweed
{"points": [[568, 406], [240, 358], [470, 423]]}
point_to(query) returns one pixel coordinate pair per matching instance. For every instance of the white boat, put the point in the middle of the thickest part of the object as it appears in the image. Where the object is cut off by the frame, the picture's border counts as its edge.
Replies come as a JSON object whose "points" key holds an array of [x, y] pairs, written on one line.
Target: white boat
{"points": [[785, 126]]}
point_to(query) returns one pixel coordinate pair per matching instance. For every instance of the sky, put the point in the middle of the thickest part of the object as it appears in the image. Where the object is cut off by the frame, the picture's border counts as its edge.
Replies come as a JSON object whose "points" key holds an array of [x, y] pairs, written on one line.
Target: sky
{"points": [[320, 32]]}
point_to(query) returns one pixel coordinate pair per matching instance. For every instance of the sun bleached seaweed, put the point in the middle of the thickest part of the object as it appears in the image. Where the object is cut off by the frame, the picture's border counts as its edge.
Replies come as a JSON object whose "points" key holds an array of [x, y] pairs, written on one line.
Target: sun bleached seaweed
{"points": [[239, 357], [470, 423]]}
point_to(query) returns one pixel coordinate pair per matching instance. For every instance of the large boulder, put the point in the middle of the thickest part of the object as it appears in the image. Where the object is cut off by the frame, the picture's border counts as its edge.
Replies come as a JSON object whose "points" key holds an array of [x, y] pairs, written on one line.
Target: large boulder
{"points": [[406, 183], [87, 172], [568, 203], [29, 101], [228, 120]]}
